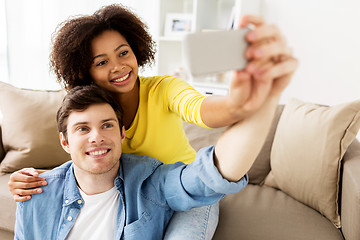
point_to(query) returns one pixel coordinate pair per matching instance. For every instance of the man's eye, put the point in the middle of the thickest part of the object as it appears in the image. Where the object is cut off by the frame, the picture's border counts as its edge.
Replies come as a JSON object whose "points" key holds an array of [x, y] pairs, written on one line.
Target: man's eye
{"points": [[101, 63], [108, 125], [81, 129]]}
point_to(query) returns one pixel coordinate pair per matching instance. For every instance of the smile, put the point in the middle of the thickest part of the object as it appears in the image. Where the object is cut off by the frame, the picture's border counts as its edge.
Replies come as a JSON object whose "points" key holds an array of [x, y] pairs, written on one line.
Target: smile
{"points": [[98, 153], [121, 79]]}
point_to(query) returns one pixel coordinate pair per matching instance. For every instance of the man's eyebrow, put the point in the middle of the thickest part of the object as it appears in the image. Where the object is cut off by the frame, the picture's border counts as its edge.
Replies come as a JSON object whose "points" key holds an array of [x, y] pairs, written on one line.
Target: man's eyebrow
{"points": [[102, 121], [78, 124], [103, 55], [109, 120]]}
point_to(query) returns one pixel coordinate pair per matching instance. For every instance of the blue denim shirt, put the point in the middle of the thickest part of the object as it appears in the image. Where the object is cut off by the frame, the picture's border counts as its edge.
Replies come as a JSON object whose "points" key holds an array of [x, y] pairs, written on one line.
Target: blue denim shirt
{"points": [[149, 194]]}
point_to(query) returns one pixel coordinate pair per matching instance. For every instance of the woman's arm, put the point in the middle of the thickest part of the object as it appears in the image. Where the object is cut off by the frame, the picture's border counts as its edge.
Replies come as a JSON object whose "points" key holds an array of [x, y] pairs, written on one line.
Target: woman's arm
{"points": [[25, 182]]}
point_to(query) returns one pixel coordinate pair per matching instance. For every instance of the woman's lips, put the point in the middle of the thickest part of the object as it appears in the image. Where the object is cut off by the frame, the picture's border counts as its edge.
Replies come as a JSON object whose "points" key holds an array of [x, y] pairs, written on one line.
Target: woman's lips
{"points": [[120, 79]]}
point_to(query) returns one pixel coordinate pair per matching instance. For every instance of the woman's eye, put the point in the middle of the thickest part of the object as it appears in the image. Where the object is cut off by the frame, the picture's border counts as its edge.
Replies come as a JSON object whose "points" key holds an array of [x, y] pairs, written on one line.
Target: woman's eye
{"points": [[101, 63], [123, 53]]}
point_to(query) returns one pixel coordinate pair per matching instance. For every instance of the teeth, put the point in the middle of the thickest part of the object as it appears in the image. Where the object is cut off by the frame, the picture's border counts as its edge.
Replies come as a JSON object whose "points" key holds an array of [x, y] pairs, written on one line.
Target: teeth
{"points": [[122, 79], [96, 153]]}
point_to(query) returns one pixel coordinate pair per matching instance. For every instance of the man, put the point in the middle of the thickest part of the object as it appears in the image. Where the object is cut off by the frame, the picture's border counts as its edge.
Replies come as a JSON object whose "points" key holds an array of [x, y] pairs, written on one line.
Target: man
{"points": [[104, 194]]}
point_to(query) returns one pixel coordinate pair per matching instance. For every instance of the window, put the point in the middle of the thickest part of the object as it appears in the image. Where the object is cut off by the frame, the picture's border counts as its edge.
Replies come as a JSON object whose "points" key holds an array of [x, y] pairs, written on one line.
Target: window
{"points": [[3, 44], [26, 27]]}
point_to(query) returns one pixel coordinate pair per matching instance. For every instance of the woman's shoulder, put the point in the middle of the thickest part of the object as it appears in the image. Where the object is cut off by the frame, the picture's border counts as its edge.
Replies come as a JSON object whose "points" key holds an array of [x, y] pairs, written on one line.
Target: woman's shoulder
{"points": [[160, 80], [162, 83]]}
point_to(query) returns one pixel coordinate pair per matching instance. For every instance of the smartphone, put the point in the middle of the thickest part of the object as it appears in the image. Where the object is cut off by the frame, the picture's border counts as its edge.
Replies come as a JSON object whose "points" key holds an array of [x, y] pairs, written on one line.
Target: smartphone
{"points": [[215, 51]]}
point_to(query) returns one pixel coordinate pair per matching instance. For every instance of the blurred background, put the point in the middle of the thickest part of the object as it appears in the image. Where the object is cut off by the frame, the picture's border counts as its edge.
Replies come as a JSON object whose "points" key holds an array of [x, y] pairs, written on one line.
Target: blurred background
{"points": [[324, 35]]}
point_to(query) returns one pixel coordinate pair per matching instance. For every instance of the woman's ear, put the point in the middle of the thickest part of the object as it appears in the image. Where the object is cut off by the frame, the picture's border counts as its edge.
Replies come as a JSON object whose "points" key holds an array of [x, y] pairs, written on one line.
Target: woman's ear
{"points": [[64, 143]]}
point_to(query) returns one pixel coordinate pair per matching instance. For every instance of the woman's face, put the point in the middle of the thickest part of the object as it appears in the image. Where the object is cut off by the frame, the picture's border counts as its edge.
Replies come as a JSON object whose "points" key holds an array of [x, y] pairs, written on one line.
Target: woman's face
{"points": [[114, 65]]}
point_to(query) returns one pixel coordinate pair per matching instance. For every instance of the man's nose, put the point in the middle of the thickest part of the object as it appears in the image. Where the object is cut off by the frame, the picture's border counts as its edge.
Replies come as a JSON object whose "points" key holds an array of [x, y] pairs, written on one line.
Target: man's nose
{"points": [[96, 137]]}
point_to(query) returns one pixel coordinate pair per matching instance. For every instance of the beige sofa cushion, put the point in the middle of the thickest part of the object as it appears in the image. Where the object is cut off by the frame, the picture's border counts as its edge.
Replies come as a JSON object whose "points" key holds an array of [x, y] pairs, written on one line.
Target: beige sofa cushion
{"points": [[308, 146], [29, 131], [264, 213]]}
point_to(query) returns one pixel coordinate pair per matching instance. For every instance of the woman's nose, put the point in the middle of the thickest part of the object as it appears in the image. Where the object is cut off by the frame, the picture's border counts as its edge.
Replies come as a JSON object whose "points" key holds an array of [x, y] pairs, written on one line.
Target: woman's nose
{"points": [[118, 66]]}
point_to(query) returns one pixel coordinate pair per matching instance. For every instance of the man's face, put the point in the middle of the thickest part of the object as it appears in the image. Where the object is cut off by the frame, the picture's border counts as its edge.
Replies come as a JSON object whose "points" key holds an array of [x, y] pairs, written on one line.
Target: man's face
{"points": [[94, 140]]}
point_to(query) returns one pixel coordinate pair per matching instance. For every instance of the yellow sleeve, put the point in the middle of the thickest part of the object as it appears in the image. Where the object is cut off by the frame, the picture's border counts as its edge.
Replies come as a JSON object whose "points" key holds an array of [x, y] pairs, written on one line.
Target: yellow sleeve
{"points": [[184, 100]]}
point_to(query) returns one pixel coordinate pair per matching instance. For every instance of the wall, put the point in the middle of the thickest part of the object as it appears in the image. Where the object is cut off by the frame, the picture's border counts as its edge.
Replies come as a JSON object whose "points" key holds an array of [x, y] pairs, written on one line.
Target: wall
{"points": [[325, 38]]}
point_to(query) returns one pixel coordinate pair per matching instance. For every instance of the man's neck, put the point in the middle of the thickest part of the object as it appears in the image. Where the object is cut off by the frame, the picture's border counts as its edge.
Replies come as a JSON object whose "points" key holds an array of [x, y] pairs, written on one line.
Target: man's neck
{"points": [[92, 184]]}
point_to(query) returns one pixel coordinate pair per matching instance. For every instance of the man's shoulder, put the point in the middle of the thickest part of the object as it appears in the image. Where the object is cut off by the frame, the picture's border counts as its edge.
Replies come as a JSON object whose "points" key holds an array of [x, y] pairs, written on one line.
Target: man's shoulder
{"points": [[58, 172], [142, 161], [134, 164], [140, 168]]}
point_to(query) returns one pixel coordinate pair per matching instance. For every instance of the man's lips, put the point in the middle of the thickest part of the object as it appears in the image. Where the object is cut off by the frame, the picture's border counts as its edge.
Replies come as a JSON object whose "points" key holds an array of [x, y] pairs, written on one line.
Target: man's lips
{"points": [[97, 153]]}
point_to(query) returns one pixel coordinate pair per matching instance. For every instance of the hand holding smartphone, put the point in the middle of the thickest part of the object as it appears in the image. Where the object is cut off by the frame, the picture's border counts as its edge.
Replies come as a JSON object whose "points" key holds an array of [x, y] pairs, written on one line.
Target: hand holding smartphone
{"points": [[215, 51]]}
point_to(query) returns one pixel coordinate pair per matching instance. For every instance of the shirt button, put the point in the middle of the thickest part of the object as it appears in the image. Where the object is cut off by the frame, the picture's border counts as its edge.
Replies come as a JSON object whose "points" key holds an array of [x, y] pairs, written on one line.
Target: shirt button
{"points": [[66, 201], [79, 202], [69, 218]]}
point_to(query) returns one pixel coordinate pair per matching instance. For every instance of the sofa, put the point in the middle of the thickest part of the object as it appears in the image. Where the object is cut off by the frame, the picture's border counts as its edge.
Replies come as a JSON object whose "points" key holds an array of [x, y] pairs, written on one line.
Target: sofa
{"points": [[282, 199]]}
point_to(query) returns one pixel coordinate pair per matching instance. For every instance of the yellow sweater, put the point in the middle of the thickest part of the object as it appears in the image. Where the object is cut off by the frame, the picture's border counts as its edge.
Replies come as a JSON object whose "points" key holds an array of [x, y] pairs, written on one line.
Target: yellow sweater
{"points": [[157, 130]]}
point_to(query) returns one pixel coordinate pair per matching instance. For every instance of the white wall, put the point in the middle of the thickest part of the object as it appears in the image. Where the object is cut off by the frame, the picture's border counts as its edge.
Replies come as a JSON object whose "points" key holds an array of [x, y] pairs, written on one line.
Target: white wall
{"points": [[325, 37]]}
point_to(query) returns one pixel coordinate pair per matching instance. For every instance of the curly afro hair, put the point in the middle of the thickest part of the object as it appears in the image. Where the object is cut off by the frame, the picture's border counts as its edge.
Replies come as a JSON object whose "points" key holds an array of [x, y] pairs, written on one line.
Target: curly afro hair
{"points": [[71, 54]]}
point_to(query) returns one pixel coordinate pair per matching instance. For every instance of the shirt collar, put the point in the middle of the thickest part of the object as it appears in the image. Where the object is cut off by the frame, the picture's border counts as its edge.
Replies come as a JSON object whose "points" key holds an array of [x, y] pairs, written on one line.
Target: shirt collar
{"points": [[71, 191]]}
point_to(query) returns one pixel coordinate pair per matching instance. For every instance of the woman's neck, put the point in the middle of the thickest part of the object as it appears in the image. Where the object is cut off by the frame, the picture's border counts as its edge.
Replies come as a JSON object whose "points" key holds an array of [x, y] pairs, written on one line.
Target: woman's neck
{"points": [[129, 102]]}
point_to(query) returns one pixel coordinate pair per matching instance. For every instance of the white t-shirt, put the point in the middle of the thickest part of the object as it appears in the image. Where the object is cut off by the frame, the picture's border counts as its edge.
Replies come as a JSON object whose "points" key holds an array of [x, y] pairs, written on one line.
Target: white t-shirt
{"points": [[96, 219]]}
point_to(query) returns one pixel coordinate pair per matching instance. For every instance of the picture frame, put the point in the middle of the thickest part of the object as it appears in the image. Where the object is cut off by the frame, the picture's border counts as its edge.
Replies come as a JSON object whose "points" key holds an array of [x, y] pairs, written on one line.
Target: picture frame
{"points": [[178, 24]]}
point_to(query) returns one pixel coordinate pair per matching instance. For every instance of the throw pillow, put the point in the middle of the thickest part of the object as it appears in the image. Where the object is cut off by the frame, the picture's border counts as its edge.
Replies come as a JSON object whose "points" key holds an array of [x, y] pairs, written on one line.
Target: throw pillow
{"points": [[308, 146], [29, 130]]}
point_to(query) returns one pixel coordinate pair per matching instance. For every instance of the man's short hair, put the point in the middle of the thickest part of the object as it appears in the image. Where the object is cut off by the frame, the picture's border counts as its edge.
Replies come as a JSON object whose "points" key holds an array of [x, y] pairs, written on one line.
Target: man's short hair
{"points": [[82, 97]]}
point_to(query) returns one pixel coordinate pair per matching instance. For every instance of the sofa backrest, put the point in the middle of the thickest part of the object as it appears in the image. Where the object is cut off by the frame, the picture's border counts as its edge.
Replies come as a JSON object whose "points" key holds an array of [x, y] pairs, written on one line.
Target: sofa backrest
{"points": [[202, 137]]}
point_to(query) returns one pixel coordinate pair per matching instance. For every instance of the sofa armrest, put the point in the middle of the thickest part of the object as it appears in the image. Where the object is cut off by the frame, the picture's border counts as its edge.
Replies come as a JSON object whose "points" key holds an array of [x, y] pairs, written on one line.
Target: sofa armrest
{"points": [[2, 151], [350, 193]]}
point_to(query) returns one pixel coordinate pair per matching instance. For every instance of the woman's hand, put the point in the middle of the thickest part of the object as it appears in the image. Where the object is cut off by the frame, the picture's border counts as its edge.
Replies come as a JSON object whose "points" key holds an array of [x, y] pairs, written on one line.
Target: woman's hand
{"points": [[270, 68], [24, 183]]}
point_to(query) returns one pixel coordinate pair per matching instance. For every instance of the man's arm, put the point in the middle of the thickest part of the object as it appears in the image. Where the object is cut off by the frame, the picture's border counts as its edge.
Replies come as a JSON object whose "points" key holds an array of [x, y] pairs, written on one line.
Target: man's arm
{"points": [[237, 149], [19, 224]]}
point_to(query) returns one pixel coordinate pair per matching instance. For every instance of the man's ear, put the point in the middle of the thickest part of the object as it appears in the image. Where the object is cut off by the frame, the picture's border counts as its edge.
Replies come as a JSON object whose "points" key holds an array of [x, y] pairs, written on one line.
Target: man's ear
{"points": [[122, 135], [64, 143]]}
